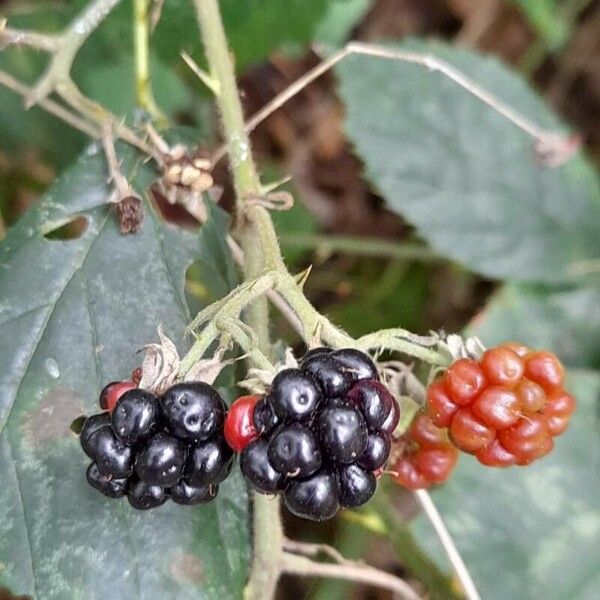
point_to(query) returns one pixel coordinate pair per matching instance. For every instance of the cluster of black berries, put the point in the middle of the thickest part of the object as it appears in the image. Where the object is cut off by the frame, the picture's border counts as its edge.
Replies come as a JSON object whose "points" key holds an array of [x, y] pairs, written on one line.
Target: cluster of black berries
{"points": [[323, 433], [152, 449]]}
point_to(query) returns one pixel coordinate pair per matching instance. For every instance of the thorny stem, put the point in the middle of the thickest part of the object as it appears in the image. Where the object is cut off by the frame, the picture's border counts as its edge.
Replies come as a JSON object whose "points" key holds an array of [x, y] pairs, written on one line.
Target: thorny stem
{"points": [[405, 342], [260, 259], [228, 308], [276, 299], [267, 528], [247, 342]]}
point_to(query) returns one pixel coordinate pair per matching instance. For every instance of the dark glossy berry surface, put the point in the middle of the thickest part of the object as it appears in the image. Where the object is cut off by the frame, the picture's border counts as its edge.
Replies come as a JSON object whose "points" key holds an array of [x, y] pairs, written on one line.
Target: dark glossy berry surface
{"points": [[356, 364], [208, 462], [112, 456], [294, 451], [109, 486], [315, 498], [90, 426], [376, 453], [294, 395], [265, 418], [257, 469], [342, 432], [328, 373], [144, 496], [136, 416], [392, 420], [327, 419], [356, 485], [187, 494], [111, 393], [161, 460], [193, 410], [315, 352], [374, 402]]}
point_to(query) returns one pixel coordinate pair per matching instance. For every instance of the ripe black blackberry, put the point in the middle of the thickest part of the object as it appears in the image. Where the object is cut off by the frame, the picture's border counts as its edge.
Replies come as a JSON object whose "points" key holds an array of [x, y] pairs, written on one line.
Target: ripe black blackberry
{"points": [[320, 433], [151, 448]]}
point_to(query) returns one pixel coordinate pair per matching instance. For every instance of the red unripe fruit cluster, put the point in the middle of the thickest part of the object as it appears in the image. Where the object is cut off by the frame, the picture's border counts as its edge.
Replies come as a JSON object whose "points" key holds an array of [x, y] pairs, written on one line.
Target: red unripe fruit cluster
{"points": [[505, 408], [239, 427], [428, 457]]}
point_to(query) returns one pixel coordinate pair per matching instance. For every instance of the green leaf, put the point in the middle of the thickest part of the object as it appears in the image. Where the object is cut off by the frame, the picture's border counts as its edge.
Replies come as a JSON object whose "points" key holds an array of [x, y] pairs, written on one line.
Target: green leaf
{"points": [[565, 321], [72, 316], [464, 175], [254, 27], [532, 532]]}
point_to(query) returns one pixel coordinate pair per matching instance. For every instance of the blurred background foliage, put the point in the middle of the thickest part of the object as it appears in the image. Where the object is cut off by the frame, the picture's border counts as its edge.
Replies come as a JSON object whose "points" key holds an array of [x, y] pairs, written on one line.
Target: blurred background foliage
{"points": [[418, 207]]}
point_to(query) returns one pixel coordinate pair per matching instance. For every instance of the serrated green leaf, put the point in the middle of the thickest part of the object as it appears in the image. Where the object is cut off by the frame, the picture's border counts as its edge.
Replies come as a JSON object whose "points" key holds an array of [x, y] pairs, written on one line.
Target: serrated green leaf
{"points": [[72, 316], [565, 321], [532, 532], [463, 174]]}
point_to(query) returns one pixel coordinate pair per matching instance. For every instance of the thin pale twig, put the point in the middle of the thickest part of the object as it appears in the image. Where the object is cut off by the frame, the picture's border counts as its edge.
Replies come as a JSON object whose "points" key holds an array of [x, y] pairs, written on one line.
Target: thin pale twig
{"points": [[429, 508], [294, 564], [548, 138], [121, 184], [312, 550], [51, 106], [32, 39]]}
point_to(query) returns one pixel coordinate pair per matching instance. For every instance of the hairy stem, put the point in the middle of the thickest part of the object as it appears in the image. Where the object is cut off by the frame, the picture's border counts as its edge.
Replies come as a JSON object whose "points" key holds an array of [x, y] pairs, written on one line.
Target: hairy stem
{"points": [[262, 256], [245, 177], [229, 308], [255, 225]]}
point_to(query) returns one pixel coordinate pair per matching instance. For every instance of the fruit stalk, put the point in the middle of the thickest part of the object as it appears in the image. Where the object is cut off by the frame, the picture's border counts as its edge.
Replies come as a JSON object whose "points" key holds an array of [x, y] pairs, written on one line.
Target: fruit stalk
{"points": [[254, 224]]}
